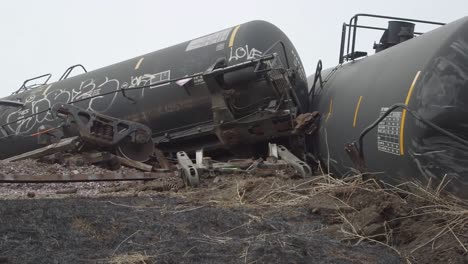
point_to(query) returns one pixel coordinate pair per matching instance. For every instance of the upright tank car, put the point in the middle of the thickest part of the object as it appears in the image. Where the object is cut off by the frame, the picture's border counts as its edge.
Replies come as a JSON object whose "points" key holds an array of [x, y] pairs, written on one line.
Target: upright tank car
{"points": [[418, 87]]}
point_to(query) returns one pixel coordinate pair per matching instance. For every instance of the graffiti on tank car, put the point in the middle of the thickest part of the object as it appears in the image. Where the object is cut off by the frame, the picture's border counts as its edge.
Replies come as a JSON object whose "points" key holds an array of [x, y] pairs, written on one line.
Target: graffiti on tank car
{"points": [[24, 124], [244, 52], [96, 103], [29, 114], [147, 80], [150, 79], [94, 94]]}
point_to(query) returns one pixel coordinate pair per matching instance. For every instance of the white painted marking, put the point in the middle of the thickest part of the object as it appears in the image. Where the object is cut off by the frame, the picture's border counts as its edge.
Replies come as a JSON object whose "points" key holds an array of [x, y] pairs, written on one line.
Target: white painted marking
{"points": [[214, 38]]}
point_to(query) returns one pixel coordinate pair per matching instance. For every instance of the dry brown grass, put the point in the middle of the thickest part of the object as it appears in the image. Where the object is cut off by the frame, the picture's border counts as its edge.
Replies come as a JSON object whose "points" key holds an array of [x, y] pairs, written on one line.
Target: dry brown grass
{"points": [[444, 215], [83, 226], [132, 258], [442, 218], [424, 221]]}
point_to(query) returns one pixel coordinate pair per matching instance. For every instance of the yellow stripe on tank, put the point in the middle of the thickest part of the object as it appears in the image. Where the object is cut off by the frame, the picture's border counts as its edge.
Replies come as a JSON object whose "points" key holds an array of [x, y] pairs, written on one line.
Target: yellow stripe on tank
{"points": [[357, 111], [330, 110], [233, 36], [403, 113]]}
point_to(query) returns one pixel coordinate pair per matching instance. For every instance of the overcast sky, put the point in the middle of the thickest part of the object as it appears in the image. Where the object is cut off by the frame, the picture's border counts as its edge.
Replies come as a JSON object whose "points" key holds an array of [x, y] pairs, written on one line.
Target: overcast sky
{"points": [[48, 36]]}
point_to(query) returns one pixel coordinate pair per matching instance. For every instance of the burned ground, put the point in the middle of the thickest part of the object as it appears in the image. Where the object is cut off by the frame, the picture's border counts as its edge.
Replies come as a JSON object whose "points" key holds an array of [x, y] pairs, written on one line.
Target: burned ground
{"points": [[232, 219], [169, 230]]}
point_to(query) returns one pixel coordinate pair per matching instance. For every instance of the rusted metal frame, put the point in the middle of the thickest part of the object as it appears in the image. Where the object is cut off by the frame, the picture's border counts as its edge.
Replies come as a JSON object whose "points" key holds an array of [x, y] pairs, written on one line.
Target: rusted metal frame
{"points": [[261, 125], [307, 123], [229, 130], [221, 113], [205, 128], [101, 129]]}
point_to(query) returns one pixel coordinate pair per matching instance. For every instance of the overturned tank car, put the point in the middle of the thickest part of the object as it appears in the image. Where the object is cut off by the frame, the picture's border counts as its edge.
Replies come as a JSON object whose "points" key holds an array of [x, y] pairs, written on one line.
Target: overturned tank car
{"points": [[230, 90]]}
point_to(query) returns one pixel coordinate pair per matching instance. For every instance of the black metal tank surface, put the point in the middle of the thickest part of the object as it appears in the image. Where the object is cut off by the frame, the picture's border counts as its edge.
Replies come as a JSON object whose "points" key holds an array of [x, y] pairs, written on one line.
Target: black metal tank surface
{"points": [[428, 74], [182, 109]]}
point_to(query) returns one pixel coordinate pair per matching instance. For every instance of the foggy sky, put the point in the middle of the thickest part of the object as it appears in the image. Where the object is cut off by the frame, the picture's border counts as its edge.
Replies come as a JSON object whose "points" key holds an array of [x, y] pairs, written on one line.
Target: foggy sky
{"points": [[48, 36]]}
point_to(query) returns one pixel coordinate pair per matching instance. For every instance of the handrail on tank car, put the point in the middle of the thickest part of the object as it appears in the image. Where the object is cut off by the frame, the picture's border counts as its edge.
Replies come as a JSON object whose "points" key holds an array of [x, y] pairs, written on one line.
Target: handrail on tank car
{"points": [[48, 75], [346, 30], [70, 69], [25, 88], [284, 51], [317, 77]]}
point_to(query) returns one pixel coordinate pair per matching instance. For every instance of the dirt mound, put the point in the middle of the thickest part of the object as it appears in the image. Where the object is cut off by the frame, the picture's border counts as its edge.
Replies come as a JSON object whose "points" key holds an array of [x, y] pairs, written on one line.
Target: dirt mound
{"points": [[420, 225]]}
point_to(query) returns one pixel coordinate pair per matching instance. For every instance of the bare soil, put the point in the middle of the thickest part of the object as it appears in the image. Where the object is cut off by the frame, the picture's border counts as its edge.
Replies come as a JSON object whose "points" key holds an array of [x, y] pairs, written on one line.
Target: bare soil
{"points": [[230, 218]]}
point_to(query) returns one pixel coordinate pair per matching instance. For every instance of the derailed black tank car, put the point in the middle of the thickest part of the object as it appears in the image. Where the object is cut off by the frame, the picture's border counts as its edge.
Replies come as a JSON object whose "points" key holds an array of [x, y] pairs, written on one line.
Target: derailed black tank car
{"points": [[240, 85], [428, 75]]}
